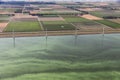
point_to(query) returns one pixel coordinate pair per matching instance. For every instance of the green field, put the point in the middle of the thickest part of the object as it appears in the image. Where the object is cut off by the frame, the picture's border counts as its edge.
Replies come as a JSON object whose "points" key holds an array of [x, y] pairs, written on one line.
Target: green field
{"points": [[3, 21], [82, 22], [4, 18], [57, 25], [50, 15], [89, 24], [69, 20], [54, 22], [89, 58], [105, 13], [74, 19], [109, 23], [23, 26], [8, 9]]}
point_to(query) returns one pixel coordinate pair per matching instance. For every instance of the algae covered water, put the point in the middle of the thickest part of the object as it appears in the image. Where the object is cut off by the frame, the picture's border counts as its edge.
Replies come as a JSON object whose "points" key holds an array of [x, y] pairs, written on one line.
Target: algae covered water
{"points": [[82, 57]]}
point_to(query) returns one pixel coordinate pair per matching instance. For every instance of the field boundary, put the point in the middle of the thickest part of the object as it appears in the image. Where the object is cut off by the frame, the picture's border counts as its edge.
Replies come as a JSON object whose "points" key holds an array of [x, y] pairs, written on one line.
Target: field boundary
{"points": [[57, 33], [39, 21]]}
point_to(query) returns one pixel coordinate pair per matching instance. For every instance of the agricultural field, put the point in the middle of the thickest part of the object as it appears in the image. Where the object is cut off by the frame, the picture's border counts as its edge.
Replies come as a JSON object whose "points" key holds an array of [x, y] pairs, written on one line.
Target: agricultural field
{"points": [[8, 10], [51, 18], [91, 17], [57, 25], [3, 26], [58, 12], [115, 20], [82, 23], [89, 25], [90, 9], [3, 22], [25, 26], [109, 23], [105, 13], [53, 10], [4, 18], [74, 19], [55, 15]]}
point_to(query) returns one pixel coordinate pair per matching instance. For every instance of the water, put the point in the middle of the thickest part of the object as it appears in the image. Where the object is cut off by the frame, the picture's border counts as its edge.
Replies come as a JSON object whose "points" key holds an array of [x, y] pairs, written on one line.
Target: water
{"points": [[74, 55], [82, 46]]}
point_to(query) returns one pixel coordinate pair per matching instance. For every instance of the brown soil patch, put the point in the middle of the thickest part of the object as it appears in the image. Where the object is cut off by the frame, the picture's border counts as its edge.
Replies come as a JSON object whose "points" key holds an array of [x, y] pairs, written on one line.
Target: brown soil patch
{"points": [[103, 4], [4, 13], [34, 12], [2, 26], [91, 17], [46, 9], [90, 9], [24, 16], [115, 20], [21, 17], [56, 6], [51, 19], [87, 9]]}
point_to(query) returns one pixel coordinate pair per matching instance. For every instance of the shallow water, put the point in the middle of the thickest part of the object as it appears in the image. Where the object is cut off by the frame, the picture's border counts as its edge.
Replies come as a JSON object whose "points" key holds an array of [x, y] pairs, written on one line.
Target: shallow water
{"points": [[59, 54], [82, 46]]}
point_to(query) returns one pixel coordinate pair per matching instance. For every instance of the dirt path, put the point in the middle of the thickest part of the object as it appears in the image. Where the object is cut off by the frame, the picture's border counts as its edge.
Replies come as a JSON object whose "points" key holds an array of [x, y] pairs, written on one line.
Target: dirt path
{"points": [[3, 26]]}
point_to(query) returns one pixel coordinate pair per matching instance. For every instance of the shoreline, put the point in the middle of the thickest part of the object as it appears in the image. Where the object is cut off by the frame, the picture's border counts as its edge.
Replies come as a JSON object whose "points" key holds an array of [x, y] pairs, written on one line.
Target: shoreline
{"points": [[54, 33]]}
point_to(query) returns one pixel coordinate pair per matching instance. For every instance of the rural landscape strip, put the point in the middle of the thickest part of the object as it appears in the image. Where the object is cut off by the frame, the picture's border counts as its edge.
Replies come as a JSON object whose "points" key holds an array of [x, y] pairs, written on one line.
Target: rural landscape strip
{"points": [[58, 33], [59, 41]]}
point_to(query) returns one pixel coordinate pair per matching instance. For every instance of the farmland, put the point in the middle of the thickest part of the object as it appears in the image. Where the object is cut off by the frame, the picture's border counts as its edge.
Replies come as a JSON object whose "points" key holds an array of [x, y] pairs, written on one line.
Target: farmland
{"points": [[109, 23], [3, 22], [91, 17], [51, 18], [8, 9], [115, 20], [58, 12], [57, 25], [82, 23], [4, 18], [74, 19], [58, 17], [106, 13], [23, 26]]}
